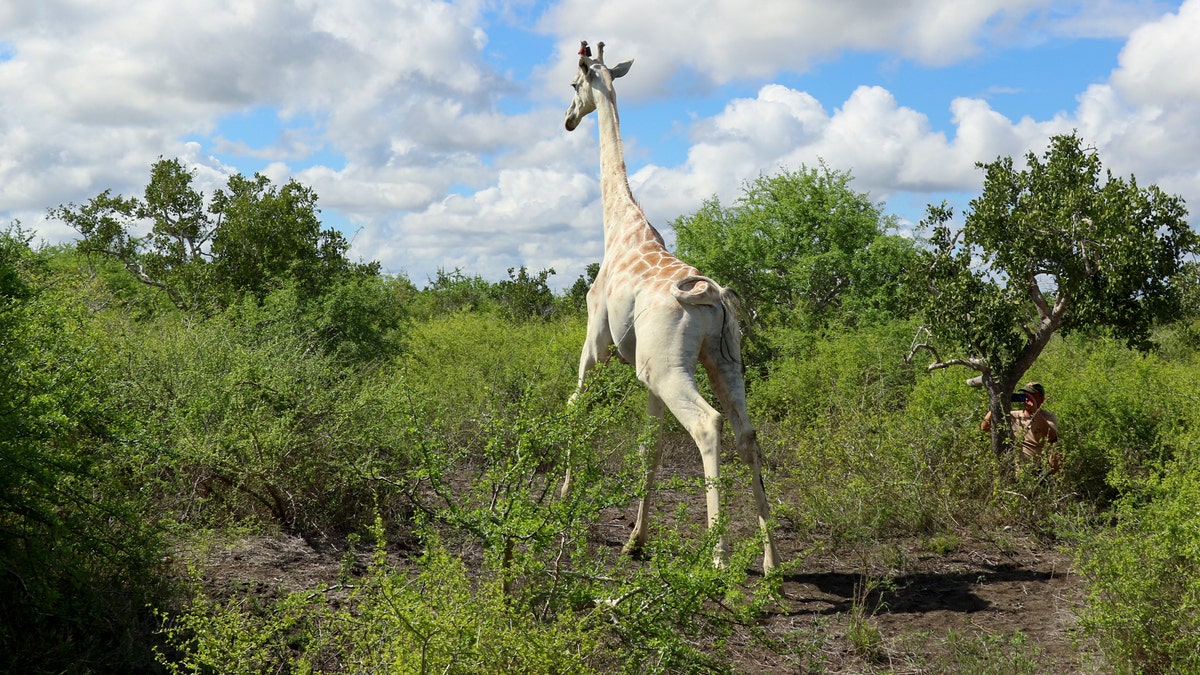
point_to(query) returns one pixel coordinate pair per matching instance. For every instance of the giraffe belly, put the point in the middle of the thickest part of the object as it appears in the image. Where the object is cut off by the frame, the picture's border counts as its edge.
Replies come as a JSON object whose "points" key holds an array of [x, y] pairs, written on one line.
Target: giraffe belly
{"points": [[626, 343]]}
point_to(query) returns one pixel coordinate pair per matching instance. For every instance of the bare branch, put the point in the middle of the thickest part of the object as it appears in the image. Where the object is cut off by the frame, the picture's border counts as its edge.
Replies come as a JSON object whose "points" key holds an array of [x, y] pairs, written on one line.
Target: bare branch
{"points": [[977, 364], [1035, 294], [980, 365], [134, 266], [916, 344], [921, 346], [1060, 305]]}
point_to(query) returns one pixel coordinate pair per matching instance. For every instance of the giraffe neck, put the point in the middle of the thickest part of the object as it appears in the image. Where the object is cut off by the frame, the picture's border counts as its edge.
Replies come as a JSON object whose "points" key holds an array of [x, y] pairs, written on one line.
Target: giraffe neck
{"points": [[621, 212]]}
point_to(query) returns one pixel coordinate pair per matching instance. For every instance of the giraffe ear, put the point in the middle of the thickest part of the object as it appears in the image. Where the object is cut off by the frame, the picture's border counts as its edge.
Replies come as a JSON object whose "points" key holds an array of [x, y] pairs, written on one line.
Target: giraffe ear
{"points": [[621, 68]]}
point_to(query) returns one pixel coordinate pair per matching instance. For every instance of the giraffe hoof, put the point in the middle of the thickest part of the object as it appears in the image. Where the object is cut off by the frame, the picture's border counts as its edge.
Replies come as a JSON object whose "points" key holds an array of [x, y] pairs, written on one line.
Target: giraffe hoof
{"points": [[635, 552]]}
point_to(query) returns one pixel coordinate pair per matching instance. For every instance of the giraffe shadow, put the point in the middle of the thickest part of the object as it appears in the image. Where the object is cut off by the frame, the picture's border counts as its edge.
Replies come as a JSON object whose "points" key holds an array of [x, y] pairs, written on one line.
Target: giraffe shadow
{"points": [[837, 592]]}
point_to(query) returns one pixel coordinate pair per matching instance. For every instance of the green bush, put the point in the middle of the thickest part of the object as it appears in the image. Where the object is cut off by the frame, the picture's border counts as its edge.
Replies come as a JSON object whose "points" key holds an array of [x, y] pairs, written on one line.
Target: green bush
{"points": [[449, 619], [241, 636], [469, 364], [359, 318], [865, 445], [80, 547], [253, 419], [904, 449], [837, 377], [1120, 413], [677, 612], [539, 598], [1144, 576], [441, 617]]}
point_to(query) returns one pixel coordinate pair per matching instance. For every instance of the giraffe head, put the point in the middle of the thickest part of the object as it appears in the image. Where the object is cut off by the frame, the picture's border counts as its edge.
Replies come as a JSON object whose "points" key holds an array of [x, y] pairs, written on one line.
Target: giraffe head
{"points": [[592, 79]]}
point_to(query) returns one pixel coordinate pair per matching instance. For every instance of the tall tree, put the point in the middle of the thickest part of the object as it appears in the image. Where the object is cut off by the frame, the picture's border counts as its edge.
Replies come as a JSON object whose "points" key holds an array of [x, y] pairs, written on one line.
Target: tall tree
{"points": [[266, 236], [1059, 245], [803, 249]]}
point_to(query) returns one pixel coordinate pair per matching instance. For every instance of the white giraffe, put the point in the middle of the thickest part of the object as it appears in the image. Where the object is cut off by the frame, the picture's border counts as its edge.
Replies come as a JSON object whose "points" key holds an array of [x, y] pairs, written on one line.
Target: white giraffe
{"points": [[663, 316]]}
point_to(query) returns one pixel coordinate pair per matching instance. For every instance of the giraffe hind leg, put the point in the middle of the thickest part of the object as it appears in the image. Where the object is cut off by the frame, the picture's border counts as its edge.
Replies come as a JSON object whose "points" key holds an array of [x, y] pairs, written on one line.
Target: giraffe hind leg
{"points": [[703, 423], [725, 376]]}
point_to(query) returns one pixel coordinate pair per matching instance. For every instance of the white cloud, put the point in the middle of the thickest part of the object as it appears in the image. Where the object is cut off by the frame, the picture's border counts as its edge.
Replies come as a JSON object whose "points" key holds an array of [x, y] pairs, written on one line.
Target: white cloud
{"points": [[723, 40], [1099, 18], [1146, 120], [889, 148], [107, 88], [537, 217], [430, 172], [1157, 64]]}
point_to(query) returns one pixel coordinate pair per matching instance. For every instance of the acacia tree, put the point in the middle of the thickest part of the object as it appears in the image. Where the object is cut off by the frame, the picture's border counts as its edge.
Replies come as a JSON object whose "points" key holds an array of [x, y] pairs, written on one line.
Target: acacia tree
{"points": [[1059, 245], [265, 235], [173, 255]]}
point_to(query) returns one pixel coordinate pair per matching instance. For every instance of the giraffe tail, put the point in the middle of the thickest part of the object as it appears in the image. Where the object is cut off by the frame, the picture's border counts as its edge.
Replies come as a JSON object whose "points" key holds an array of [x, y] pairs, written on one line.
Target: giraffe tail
{"points": [[731, 330], [733, 305], [698, 290]]}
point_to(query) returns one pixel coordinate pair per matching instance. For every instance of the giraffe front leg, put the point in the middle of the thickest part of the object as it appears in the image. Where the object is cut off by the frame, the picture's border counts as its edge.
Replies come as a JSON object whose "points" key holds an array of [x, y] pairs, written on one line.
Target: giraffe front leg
{"points": [[636, 546], [677, 387], [593, 351]]}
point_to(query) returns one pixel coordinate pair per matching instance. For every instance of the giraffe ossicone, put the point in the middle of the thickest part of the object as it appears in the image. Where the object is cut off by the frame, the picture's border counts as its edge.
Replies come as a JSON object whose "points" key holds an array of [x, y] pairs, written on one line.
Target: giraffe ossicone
{"points": [[664, 317]]}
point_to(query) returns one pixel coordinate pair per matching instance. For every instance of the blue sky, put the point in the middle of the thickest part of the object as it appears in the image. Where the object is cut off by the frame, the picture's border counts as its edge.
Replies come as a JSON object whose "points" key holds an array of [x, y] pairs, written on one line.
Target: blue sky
{"points": [[432, 131]]}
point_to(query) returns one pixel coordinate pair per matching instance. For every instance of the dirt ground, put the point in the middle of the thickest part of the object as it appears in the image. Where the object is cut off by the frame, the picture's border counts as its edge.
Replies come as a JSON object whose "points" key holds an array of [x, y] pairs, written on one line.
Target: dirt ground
{"points": [[986, 600], [1002, 600], [922, 603]]}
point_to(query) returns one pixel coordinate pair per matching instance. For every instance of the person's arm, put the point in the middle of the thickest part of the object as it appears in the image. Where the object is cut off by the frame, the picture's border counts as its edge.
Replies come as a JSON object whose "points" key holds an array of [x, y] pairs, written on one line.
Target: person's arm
{"points": [[986, 424], [1056, 458]]}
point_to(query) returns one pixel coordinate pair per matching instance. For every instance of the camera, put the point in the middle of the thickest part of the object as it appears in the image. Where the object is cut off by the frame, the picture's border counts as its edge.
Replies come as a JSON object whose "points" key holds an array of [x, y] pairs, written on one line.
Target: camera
{"points": [[1019, 398]]}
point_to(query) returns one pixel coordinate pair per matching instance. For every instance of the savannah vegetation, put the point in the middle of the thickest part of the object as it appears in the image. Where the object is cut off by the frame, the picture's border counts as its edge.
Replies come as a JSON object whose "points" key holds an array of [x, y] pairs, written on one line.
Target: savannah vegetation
{"points": [[202, 370]]}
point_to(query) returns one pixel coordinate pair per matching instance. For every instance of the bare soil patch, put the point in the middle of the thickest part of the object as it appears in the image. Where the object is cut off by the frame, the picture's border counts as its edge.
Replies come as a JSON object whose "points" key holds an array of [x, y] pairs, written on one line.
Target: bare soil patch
{"points": [[1009, 592]]}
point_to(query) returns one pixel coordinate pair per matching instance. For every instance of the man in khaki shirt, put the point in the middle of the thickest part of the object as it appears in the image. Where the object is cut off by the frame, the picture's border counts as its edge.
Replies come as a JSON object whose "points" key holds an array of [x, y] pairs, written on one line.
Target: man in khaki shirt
{"points": [[1032, 425]]}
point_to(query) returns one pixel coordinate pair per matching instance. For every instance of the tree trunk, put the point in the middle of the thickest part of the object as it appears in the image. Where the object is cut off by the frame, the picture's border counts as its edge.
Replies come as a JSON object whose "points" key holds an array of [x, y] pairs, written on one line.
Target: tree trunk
{"points": [[999, 394]]}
